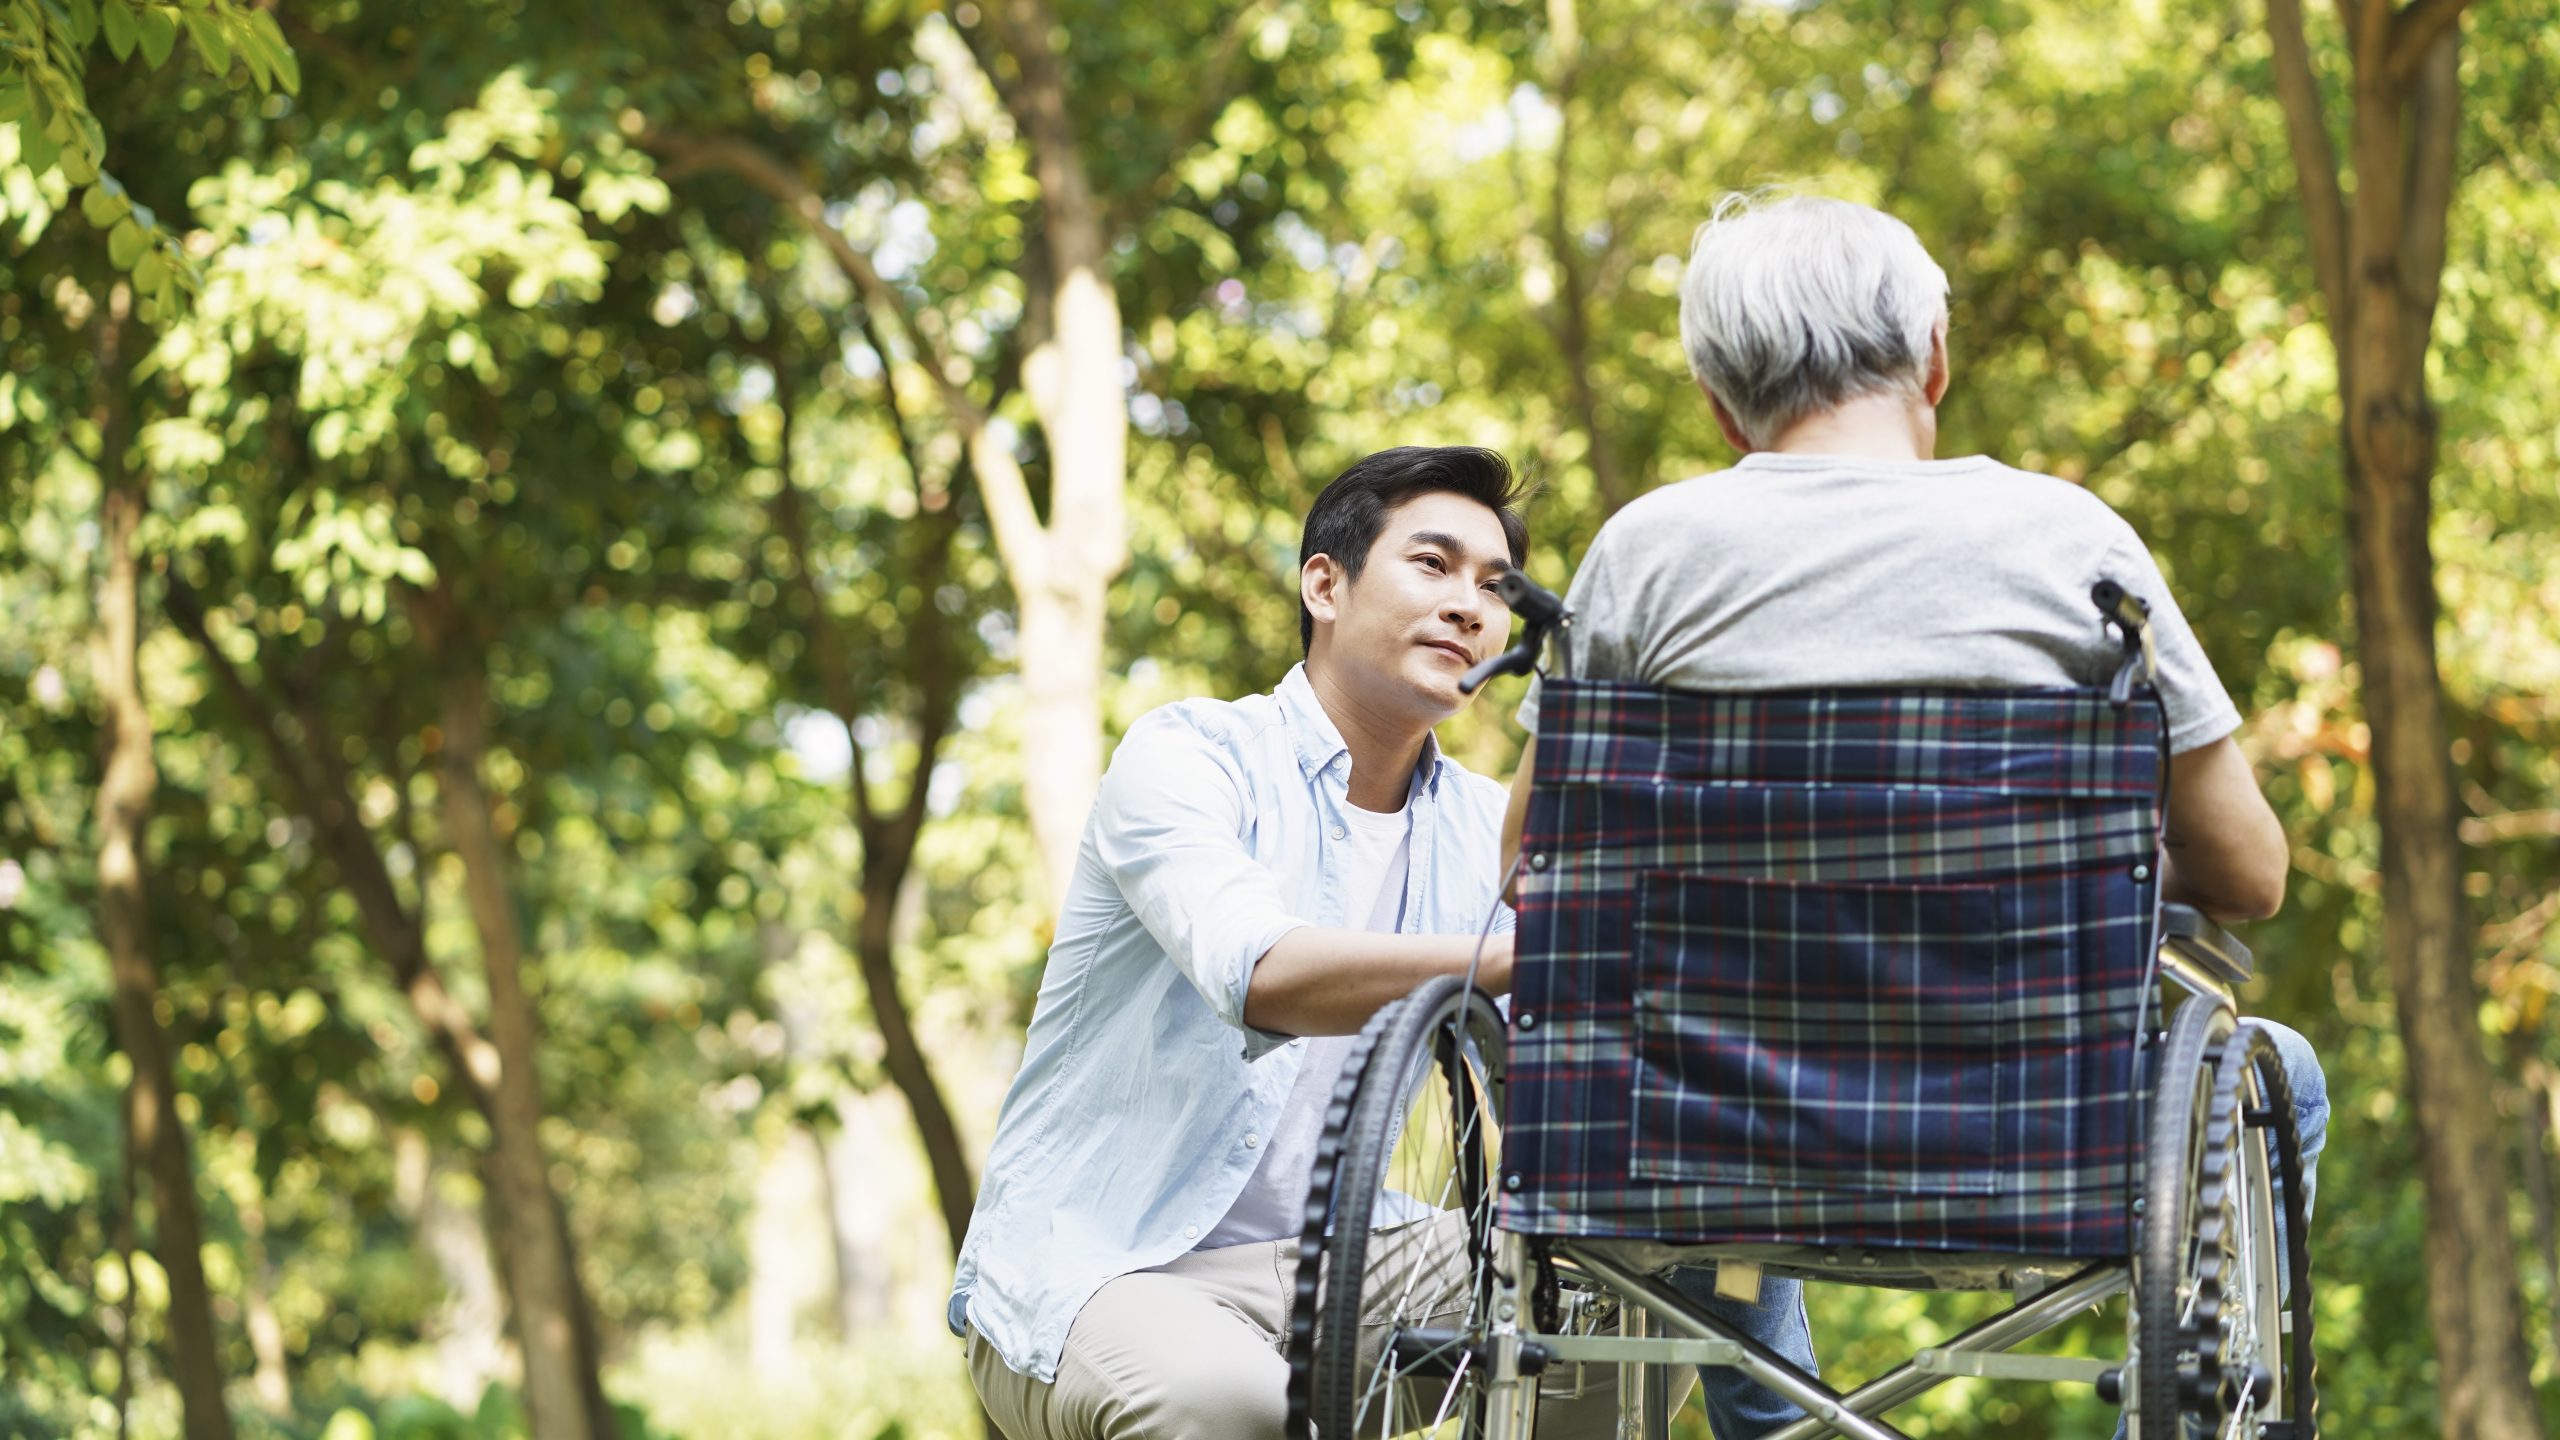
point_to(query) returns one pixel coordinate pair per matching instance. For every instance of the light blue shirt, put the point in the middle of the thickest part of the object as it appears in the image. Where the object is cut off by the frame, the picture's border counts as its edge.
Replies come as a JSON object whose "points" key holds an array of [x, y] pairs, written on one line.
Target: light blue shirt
{"points": [[1143, 1094]]}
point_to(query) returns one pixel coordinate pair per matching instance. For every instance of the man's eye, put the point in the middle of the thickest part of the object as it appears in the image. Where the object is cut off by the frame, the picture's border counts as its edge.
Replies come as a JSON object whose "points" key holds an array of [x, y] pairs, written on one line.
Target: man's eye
{"points": [[1431, 560]]}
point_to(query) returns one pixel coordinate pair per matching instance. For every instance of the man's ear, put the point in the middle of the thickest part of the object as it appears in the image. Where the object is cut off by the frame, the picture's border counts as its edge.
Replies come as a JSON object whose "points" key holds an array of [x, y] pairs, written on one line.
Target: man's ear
{"points": [[1725, 422], [1935, 386], [1320, 586]]}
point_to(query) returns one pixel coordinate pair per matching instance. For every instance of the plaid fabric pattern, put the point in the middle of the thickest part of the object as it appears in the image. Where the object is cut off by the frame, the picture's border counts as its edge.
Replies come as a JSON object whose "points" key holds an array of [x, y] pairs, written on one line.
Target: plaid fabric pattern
{"points": [[1832, 967]]}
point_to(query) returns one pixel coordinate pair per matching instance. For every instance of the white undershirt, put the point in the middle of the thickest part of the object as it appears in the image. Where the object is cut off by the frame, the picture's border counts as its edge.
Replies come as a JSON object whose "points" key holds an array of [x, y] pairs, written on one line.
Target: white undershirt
{"points": [[1372, 855]]}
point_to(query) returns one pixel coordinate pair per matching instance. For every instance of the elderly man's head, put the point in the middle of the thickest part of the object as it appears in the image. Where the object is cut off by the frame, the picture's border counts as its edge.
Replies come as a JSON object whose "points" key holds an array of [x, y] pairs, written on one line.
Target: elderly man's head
{"points": [[1795, 307]]}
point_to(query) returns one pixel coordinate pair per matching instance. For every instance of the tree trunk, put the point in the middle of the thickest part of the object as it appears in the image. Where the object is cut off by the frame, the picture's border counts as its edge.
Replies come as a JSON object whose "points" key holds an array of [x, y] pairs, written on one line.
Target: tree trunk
{"points": [[469, 1326], [1062, 720], [128, 781], [271, 1382], [1571, 319], [2379, 259], [1062, 572], [2541, 1123], [904, 1058], [855, 1221], [562, 1389]]}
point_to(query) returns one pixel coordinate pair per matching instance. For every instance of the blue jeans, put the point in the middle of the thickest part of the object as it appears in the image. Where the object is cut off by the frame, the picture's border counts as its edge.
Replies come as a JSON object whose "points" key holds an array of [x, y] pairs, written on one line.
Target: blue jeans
{"points": [[1741, 1408]]}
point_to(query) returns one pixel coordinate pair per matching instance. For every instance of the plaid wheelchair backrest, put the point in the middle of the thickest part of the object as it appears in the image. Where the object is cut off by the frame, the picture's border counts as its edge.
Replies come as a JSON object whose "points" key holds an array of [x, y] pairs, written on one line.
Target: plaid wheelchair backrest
{"points": [[1832, 967]]}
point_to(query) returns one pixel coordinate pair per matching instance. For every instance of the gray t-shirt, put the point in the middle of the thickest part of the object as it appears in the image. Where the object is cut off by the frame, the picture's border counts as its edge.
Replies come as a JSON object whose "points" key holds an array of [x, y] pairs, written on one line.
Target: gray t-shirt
{"points": [[1792, 571]]}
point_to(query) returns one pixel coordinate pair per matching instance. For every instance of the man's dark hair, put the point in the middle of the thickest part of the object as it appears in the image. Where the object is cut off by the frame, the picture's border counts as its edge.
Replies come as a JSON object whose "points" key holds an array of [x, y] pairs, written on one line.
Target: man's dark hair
{"points": [[1345, 520]]}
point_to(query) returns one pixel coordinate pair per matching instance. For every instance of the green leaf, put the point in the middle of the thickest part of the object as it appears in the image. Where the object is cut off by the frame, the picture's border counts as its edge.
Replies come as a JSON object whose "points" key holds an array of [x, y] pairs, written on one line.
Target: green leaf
{"points": [[158, 32], [80, 163], [288, 69], [36, 150], [253, 54], [121, 34], [80, 21], [150, 273], [126, 243], [13, 103], [210, 42], [105, 203]]}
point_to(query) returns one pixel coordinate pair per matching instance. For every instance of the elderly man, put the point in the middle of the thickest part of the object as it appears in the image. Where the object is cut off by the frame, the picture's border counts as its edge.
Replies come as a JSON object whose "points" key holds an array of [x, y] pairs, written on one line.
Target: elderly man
{"points": [[1841, 552]]}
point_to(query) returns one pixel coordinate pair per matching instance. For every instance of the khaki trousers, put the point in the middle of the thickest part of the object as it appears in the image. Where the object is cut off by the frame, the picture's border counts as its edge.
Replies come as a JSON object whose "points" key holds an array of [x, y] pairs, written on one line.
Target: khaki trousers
{"points": [[1192, 1350]]}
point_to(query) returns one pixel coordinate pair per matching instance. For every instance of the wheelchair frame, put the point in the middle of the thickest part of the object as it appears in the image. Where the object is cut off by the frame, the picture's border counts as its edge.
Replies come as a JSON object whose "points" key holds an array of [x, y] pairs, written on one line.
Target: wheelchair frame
{"points": [[2199, 958], [1657, 1327]]}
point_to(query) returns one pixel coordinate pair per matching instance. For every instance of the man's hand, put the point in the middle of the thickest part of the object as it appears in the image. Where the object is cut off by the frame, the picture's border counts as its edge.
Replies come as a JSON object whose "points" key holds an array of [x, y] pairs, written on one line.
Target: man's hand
{"points": [[1329, 982]]}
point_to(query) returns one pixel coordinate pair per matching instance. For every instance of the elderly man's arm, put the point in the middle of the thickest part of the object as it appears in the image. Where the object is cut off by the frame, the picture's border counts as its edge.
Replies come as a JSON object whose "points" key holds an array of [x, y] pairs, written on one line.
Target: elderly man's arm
{"points": [[2227, 854]]}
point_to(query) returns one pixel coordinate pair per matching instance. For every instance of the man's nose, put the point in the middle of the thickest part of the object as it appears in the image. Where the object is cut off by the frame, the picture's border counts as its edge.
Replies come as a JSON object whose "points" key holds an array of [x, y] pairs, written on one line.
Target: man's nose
{"points": [[1468, 613]]}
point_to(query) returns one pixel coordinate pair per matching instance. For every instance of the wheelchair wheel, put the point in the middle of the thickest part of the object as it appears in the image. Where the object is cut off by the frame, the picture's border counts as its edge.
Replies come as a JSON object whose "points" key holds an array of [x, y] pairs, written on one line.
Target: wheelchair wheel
{"points": [[1394, 1294], [2280, 1271], [2211, 1291]]}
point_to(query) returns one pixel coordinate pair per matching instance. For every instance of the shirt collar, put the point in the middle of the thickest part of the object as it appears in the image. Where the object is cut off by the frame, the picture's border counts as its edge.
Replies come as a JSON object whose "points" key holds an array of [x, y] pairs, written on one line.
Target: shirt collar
{"points": [[1319, 741]]}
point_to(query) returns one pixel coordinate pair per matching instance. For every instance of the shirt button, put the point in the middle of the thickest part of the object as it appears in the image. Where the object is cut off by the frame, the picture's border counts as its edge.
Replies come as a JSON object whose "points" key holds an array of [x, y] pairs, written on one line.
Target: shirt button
{"points": [[1298, 1040], [1339, 832], [1252, 1140], [1190, 1232]]}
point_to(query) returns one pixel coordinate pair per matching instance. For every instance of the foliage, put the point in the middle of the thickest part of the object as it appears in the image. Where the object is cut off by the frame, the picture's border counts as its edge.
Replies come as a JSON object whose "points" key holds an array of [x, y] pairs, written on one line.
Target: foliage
{"points": [[45, 49]]}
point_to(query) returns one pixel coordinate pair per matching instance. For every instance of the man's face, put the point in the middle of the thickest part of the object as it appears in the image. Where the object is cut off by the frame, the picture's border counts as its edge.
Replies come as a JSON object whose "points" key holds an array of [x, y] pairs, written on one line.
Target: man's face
{"points": [[1423, 609]]}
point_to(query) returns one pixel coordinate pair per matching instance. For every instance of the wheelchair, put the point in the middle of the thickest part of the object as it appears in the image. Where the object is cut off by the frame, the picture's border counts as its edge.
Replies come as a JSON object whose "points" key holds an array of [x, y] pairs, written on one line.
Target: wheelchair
{"points": [[1862, 987]]}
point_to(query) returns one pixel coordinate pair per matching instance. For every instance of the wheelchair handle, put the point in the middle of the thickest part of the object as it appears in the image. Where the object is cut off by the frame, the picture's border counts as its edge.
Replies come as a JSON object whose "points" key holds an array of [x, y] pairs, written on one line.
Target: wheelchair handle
{"points": [[2131, 615], [1543, 613]]}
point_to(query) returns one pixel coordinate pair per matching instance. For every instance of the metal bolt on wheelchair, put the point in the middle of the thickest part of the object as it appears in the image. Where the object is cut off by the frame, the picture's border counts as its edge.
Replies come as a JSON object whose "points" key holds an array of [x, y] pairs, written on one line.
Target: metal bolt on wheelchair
{"points": [[1860, 987]]}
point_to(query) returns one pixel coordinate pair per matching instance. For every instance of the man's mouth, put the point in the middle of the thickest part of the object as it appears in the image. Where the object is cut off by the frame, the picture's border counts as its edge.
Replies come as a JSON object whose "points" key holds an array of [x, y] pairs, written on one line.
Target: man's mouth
{"points": [[1454, 648]]}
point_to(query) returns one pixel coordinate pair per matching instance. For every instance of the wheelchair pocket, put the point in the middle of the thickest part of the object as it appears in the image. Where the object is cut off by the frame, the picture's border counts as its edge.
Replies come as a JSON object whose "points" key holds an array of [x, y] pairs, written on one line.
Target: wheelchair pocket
{"points": [[1843, 1038]]}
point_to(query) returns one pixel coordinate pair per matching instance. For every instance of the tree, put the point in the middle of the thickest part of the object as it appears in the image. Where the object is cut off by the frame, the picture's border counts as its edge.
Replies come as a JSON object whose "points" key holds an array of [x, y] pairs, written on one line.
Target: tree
{"points": [[52, 132], [2378, 257], [128, 778]]}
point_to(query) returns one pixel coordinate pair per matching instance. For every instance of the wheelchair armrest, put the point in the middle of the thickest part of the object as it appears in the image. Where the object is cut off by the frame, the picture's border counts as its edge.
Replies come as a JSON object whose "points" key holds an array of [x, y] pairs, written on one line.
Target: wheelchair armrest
{"points": [[2193, 937]]}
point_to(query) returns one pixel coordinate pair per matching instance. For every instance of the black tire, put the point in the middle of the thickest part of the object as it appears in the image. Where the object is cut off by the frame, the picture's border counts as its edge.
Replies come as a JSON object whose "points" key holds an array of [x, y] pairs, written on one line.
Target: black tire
{"points": [[2173, 1155], [2301, 1369], [1444, 1030]]}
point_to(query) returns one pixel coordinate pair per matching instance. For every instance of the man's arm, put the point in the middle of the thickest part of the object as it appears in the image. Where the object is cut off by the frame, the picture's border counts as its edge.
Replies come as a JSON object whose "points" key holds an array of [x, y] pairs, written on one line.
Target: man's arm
{"points": [[2226, 851], [1320, 981], [1167, 828], [1515, 816]]}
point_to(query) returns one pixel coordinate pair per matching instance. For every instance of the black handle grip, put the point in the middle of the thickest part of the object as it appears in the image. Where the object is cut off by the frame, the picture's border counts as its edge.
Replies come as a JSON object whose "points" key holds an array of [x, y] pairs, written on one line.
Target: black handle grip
{"points": [[1528, 599]]}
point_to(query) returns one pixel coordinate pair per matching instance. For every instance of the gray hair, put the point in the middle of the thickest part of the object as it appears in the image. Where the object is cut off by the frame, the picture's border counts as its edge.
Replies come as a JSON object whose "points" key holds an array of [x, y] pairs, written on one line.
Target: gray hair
{"points": [[1795, 305]]}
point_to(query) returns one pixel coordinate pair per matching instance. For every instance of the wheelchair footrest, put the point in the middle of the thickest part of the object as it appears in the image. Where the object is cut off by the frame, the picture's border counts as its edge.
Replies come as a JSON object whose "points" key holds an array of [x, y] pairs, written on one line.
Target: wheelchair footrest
{"points": [[2001, 1365]]}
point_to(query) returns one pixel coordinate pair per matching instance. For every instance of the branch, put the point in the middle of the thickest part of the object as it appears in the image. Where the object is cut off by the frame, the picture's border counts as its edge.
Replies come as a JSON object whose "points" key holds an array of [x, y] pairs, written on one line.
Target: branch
{"points": [[930, 494], [394, 928], [186, 610], [1216, 89], [2416, 28], [938, 685], [2511, 825], [2435, 108], [1019, 535], [2368, 28], [762, 170], [835, 681], [2315, 158]]}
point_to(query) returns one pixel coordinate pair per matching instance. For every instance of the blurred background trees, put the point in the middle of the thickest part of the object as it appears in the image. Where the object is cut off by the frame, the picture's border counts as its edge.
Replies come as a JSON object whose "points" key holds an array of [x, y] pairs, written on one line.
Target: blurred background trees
{"points": [[617, 550]]}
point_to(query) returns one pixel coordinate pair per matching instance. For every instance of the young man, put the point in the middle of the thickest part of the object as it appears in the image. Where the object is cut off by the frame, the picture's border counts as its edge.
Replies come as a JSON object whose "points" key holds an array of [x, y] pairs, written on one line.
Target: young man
{"points": [[1839, 552], [1258, 878]]}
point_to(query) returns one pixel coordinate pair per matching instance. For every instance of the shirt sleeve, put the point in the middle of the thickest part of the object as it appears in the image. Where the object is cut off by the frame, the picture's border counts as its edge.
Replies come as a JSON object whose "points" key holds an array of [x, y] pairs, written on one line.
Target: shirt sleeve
{"points": [[1590, 648], [1169, 826], [2200, 709]]}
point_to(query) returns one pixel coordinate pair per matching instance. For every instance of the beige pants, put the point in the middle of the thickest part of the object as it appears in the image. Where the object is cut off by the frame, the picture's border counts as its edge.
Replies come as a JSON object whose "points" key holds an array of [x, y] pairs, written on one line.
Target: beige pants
{"points": [[1192, 1350]]}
